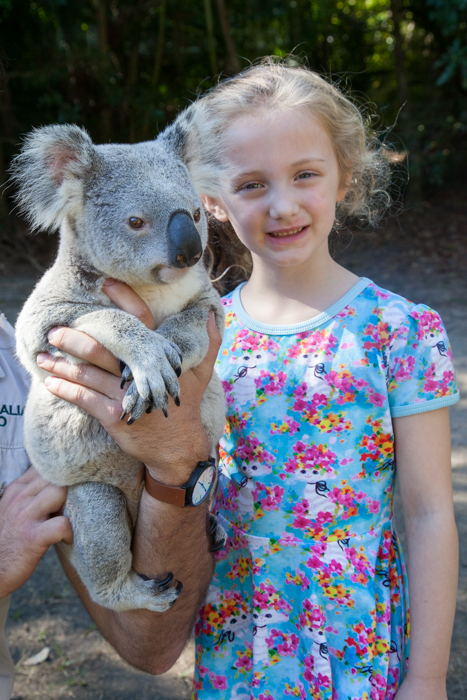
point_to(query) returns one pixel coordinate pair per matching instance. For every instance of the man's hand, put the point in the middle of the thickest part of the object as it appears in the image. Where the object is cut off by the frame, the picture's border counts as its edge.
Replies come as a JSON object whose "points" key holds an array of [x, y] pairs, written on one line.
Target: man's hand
{"points": [[28, 526], [95, 387]]}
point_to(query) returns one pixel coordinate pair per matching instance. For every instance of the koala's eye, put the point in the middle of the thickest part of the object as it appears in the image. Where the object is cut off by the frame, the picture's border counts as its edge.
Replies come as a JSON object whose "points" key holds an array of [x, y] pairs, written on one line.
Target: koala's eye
{"points": [[135, 222], [196, 215]]}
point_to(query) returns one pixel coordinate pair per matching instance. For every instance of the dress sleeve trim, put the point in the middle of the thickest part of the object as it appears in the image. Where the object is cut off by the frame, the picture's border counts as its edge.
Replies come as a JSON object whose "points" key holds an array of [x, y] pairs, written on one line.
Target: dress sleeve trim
{"points": [[423, 406]]}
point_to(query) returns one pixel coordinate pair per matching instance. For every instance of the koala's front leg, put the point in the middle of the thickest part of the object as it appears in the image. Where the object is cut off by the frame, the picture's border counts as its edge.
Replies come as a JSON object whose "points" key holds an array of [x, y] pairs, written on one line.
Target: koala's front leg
{"points": [[187, 329], [154, 361]]}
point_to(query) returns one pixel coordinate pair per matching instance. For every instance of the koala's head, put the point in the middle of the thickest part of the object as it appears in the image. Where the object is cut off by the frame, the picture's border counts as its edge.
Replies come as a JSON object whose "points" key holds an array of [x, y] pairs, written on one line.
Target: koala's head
{"points": [[130, 210]]}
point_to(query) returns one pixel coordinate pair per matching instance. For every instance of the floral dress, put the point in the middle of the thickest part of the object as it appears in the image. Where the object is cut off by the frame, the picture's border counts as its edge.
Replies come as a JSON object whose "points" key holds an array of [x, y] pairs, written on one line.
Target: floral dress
{"points": [[309, 596]]}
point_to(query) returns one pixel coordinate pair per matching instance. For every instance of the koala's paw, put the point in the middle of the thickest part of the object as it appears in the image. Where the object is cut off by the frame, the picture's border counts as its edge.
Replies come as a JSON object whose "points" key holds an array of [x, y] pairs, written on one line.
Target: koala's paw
{"points": [[217, 536], [153, 377], [163, 593]]}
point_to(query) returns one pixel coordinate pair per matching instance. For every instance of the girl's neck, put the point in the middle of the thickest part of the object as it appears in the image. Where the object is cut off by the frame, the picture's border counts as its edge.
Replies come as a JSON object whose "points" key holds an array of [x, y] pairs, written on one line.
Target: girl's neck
{"points": [[287, 295]]}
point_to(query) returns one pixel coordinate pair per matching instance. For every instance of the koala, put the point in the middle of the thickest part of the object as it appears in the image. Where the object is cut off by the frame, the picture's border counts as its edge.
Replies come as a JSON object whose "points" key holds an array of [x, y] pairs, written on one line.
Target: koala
{"points": [[129, 212]]}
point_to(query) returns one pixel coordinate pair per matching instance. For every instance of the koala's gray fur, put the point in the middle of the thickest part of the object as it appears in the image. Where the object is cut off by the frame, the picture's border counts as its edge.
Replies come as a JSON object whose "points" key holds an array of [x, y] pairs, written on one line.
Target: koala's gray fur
{"points": [[89, 192]]}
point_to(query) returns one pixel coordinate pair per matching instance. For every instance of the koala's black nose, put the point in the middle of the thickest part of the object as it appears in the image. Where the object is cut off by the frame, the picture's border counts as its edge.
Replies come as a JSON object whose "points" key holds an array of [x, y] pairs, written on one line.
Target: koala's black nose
{"points": [[185, 247]]}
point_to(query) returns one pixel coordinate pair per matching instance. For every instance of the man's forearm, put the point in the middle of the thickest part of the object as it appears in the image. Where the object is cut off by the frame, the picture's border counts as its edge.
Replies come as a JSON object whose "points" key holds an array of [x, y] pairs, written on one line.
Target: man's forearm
{"points": [[167, 539]]}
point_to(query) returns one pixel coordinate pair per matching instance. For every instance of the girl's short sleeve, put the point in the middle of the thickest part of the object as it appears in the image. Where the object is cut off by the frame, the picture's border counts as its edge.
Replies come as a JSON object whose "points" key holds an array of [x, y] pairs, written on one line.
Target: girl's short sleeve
{"points": [[420, 372]]}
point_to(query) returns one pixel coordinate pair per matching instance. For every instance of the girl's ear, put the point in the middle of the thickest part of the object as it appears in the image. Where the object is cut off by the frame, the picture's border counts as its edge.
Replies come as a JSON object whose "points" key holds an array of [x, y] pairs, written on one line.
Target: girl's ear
{"points": [[214, 207], [344, 188]]}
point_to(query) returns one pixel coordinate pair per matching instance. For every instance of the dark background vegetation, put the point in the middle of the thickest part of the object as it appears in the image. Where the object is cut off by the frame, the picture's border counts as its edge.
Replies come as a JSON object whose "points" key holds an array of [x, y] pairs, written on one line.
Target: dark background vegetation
{"points": [[124, 68]]}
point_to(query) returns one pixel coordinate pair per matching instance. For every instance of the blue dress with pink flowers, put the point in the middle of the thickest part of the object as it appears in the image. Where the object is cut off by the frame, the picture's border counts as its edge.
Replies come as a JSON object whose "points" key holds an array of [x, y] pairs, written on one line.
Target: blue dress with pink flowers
{"points": [[309, 596]]}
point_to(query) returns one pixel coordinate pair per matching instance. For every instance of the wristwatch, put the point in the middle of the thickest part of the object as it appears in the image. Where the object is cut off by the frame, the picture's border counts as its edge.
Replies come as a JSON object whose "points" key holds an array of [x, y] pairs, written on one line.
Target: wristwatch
{"points": [[193, 493]]}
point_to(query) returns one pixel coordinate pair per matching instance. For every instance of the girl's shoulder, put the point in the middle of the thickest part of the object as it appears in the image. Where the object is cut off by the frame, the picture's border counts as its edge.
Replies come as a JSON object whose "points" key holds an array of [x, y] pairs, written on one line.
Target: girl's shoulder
{"points": [[394, 312]]}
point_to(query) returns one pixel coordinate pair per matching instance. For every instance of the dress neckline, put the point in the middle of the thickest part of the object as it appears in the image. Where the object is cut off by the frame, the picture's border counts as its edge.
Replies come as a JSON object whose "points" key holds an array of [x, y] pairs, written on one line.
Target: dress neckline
{"points": [[291, 329]]}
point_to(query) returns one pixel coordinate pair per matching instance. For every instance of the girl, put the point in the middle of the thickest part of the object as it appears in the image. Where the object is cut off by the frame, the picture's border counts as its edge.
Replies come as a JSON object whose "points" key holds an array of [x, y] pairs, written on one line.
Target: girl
{"points": [[332, 384]]}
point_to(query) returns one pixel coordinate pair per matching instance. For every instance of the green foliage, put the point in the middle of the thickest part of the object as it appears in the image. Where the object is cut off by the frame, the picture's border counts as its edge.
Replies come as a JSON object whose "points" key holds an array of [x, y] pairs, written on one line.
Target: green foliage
{"points": [[124, 68]]}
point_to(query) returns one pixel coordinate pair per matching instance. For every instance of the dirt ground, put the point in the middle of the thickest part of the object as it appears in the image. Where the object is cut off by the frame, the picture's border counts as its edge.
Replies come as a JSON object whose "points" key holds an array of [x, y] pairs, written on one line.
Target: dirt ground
{"points": [[422, 255]]}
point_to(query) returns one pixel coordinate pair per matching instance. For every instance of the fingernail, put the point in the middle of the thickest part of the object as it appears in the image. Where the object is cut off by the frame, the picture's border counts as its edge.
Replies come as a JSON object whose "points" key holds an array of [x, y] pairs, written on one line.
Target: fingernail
{"points": [[50, 381], [41, 358], [108, 282], [52, 334]]}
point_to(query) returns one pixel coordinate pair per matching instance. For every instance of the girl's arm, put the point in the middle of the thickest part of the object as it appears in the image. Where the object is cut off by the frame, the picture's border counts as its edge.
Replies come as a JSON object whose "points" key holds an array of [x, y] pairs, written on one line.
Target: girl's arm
{"points": [[423, 458]]}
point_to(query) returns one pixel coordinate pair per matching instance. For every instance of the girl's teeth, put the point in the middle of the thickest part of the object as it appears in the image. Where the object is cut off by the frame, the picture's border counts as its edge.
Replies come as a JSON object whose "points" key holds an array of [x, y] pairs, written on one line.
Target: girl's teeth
{"points": [[282, 234]]}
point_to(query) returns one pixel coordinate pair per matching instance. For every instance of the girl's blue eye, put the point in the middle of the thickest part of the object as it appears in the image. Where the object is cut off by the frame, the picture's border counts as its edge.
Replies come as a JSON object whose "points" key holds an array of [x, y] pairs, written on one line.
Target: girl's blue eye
{"points": [[251, 186]]}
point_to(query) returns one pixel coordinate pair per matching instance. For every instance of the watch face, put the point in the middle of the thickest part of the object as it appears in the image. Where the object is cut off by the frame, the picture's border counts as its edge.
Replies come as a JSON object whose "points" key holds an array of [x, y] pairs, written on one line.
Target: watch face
{"points": [[203, 486]]}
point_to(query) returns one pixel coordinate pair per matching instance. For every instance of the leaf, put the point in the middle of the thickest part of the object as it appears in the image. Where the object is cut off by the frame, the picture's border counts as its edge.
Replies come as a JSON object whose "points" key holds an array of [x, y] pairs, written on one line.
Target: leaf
{"points": [[38, 658]]}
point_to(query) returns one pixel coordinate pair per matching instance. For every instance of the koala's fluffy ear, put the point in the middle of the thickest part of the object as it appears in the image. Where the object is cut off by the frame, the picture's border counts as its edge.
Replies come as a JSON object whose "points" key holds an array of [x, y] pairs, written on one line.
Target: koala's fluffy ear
{"points": [[175, 137], [49, 173]]}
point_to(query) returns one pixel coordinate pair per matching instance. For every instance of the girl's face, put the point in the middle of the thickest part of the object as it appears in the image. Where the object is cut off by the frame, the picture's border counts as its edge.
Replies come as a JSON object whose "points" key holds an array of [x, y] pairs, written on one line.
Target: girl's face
{"points": [[284, 185]]}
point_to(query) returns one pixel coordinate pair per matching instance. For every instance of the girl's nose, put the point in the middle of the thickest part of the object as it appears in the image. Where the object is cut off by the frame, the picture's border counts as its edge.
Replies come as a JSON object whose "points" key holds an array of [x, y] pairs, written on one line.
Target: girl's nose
{"points": [[283, 206]]}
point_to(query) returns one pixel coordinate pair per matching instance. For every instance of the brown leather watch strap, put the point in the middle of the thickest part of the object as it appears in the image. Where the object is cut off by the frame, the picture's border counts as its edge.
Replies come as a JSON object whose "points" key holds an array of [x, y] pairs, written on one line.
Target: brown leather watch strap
{"points": [[175, 495]]}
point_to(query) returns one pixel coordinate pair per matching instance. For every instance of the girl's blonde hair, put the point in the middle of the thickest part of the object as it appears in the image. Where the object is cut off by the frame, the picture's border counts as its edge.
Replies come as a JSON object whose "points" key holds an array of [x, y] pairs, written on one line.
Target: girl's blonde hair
{"points": [[273, 87]]}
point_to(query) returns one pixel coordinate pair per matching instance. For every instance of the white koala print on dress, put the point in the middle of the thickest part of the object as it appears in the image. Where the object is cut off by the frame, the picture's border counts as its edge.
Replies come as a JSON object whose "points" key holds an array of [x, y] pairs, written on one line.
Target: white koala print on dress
{"points": [[247, 485], [249, 367], [336, 551], [316, 372], [319, 650], [315, 492], [261, 620]]}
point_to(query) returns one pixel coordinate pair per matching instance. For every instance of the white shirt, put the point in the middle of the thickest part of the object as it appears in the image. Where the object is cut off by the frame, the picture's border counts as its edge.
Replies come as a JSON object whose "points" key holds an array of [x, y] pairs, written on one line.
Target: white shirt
{"points": [[14, 386]]}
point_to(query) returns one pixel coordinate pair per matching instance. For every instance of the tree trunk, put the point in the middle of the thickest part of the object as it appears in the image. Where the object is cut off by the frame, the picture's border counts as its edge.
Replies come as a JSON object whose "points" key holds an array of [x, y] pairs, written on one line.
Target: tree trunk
{"points": [[408, 133], [156, 72], [210, 37], [101, 12], [233, 62], [7, 136], [132, 80]]}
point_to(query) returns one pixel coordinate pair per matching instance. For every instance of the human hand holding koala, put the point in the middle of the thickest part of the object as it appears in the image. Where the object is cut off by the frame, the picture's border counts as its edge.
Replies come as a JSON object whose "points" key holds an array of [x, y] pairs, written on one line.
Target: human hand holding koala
{"points": [[95, 387], [28, 527], [164, 537]]}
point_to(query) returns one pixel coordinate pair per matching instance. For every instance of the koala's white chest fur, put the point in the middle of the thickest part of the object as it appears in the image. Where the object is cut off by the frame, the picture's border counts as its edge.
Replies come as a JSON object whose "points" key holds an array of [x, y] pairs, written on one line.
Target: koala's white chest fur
{"points": [[167, 300]]}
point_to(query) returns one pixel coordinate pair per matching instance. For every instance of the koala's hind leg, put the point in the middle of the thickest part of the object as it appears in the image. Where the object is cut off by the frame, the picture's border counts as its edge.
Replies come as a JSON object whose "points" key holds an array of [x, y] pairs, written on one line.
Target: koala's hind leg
{"points": [[101, 552]]}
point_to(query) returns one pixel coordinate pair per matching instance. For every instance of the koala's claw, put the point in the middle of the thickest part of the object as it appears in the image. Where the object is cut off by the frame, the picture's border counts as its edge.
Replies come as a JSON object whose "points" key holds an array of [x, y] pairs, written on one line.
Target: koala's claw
{"points": [[165, 582], [127, 375], [217, 536]]}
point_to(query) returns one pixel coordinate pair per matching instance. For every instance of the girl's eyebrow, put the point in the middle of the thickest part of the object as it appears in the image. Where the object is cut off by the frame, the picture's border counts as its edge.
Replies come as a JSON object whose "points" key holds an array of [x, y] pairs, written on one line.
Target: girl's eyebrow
{"points": [[309, 159]]}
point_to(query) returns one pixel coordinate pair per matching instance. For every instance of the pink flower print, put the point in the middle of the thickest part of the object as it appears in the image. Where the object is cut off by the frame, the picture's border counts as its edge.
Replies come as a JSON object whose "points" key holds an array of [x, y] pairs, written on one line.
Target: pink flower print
{"points": [[378, 335], [203, 670], [375, 398], [218, 682], [227, 386], [273, 497], [287, 540], [373, 506], [403, 370], [288, 425], [429, 324], [297, 578], [252, 450], [297, 690]]}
